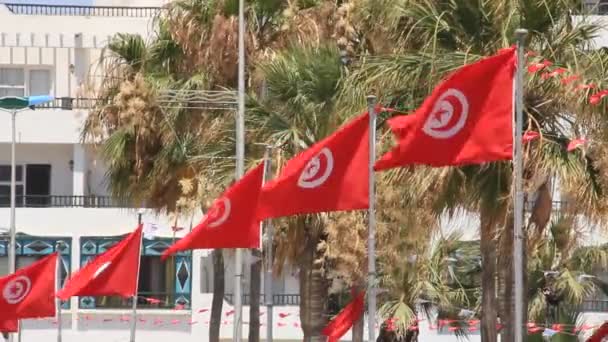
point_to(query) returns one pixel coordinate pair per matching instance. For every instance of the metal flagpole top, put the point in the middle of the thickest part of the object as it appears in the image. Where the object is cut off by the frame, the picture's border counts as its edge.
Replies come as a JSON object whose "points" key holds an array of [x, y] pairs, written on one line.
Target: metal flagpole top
{"points": [[520, 33]]}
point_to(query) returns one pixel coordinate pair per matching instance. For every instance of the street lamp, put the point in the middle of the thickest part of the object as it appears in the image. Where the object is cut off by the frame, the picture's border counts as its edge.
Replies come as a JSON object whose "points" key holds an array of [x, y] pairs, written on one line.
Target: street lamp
{"points": [[13, 105]]}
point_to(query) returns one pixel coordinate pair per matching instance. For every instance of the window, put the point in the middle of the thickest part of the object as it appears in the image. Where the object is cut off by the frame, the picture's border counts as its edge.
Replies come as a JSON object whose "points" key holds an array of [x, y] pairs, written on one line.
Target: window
{"points": [[12, 82], [5, 185], [24, 81], [32, 186], [162, 284]]}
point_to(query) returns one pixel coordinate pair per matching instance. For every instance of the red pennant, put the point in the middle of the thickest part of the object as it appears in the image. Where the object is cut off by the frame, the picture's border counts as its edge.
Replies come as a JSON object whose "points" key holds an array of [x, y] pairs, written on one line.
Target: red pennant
{"points": [[332, 175], [466, 120], [29, 292], [531, 54], [597, 97], [230, 222], [535, 67], [574, 144], [203, 310], [569, 79], [584, 86], [153, 300], [283, 315], [177, 229], [554, 73], [340, 324], [112, 273], [530, 136]]}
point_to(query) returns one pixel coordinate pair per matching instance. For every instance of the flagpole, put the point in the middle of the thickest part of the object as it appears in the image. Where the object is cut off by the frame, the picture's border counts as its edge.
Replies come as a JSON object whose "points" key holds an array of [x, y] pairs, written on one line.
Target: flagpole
{"points": [[371, 221], [240, 168], [518, 202], [134, 307], [57, 288], [268, 293]]}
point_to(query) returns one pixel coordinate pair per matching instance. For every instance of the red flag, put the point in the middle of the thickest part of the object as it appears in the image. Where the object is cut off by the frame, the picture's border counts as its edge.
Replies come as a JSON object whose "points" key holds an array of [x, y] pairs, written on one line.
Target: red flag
{"points": [[29, 292], [466, 120], [9, 326], [332, 175], [112, 273], [338, 326], [599, 334], [231, 221]]}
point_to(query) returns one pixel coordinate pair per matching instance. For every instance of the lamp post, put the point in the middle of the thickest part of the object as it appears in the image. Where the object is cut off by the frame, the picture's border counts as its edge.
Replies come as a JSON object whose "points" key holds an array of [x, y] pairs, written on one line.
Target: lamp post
{"points": [[14, 105]]}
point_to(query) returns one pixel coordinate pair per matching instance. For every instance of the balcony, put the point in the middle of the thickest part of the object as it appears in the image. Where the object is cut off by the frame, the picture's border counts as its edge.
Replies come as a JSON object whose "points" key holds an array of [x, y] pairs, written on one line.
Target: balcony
{"points": [[595, 306], [88, 11], [61, 201], [69, 103], [277, 299]]}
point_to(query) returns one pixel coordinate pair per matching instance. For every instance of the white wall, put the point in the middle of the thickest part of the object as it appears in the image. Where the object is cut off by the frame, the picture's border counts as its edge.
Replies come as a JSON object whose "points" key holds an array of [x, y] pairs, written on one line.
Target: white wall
{"points": [[51, 126], [57, 155]]}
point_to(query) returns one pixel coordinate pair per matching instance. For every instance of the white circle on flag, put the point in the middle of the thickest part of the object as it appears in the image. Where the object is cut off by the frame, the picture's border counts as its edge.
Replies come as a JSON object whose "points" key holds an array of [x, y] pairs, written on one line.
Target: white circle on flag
{"points": [[317, 170], [219, 213], [17, 289], [101, 269], [449, 115]]}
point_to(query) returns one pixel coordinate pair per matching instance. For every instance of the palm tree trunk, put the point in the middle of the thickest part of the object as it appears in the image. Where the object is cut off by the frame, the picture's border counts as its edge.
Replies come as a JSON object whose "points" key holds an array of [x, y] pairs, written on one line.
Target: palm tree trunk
{"points": [[488, 276], [218, 295], [358, 330], [505, 264], [254, 291], [313, 293]]}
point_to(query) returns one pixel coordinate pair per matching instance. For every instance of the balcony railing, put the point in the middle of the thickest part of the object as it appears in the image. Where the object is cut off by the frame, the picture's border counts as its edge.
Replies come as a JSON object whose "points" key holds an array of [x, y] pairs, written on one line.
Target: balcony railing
{"points": [[69, 103], [277, 299], [145, 300], [61, 201], [88, 11], [594, 306]]}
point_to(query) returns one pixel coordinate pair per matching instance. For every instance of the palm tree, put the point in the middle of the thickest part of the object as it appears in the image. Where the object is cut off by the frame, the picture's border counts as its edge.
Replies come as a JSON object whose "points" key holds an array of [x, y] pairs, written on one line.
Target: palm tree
{"points": [[297, 110], [561, 272], [434, 277], [432, 38], [150, 149]]}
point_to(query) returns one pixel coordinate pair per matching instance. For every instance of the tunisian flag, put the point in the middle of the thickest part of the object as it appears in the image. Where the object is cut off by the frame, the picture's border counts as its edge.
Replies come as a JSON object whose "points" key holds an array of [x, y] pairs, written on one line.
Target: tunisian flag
{"points": [[468, 119], [332, 175], [29, 292], [112, 273], [231, 221], [9, 326], [338, 326]]}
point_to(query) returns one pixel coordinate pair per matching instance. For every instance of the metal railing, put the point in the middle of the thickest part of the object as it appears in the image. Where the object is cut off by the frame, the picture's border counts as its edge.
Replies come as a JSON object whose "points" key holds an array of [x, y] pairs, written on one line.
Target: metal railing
{"points": [[145, 300], [69, 103], [277, 299], [557, 205], [61, 201], [594, 306], [88, 11]]}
